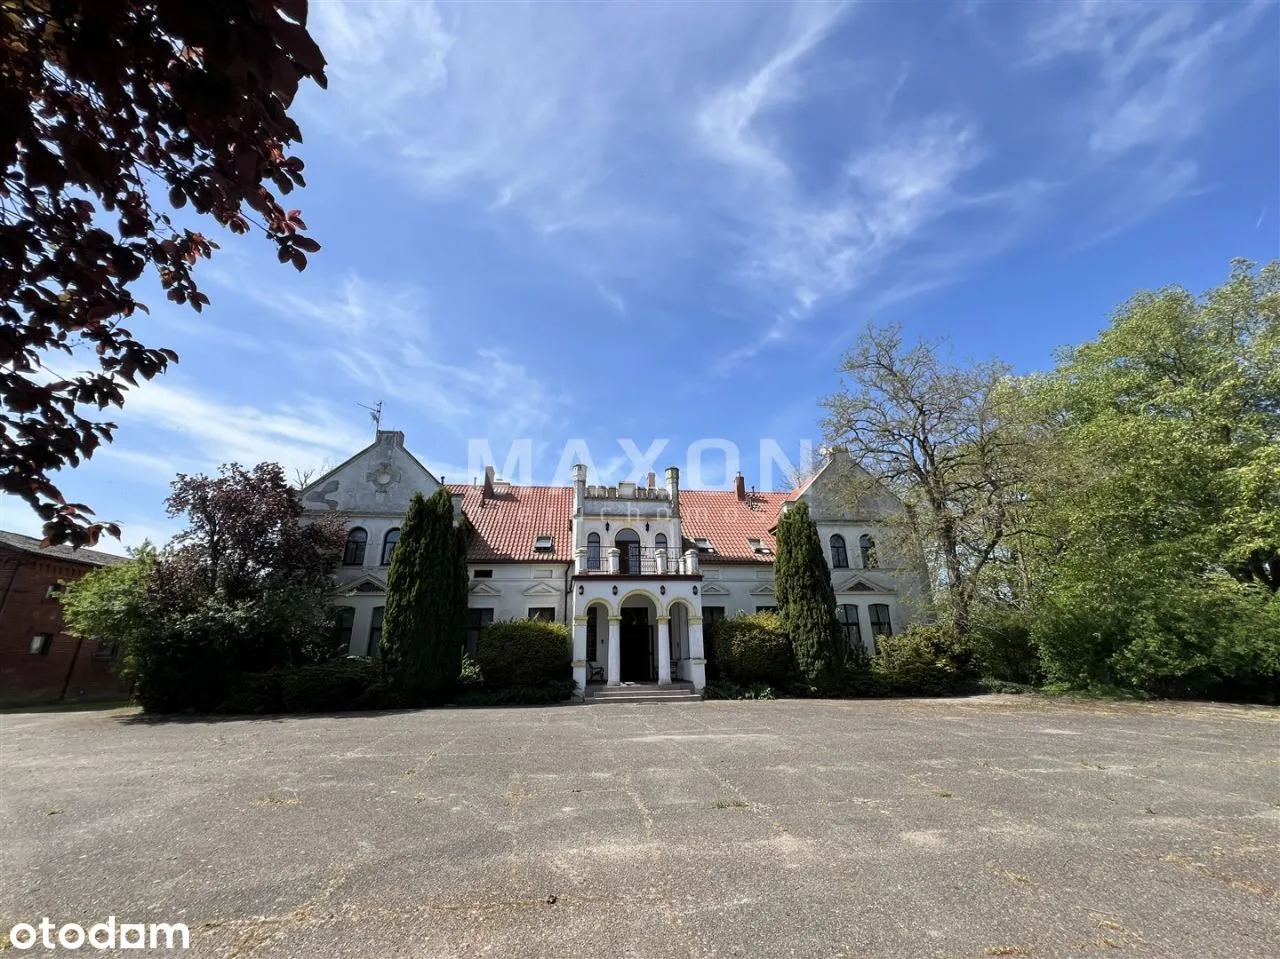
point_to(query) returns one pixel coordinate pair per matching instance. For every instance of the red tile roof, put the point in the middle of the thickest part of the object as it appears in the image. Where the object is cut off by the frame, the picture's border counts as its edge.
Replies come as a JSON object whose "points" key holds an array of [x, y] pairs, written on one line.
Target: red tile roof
{"points": [[718, 515], [507, 523]]}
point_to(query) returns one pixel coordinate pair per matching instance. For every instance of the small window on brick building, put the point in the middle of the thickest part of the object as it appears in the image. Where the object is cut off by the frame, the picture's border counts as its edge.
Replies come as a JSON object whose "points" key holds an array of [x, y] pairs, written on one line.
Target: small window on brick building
{"points": [[40, 644], [107, 650], [55, 590]]}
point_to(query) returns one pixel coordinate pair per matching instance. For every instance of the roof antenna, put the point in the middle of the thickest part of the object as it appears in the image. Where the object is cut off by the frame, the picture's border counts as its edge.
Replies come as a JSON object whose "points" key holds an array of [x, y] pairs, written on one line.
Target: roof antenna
{"points": [[375, 413]]}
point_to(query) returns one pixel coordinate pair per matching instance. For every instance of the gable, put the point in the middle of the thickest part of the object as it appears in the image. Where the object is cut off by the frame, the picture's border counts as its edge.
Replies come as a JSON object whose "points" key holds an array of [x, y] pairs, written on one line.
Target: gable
{"points": [[381, 478], [711, 589], [842, 489], [485, 589]]}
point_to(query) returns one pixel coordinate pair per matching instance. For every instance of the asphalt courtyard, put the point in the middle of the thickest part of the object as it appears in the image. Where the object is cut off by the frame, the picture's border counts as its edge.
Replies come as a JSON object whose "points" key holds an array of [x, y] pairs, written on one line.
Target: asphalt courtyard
{"points": [[993, 826]]}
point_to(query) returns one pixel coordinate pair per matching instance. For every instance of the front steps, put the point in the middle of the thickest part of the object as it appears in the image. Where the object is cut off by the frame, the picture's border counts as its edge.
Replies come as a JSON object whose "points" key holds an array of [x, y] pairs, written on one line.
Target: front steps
{"points": [[641, 693]]}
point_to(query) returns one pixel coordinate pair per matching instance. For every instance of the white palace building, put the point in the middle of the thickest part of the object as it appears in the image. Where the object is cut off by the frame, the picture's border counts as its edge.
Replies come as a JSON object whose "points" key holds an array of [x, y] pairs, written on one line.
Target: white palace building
{"points": [[635, 569]]}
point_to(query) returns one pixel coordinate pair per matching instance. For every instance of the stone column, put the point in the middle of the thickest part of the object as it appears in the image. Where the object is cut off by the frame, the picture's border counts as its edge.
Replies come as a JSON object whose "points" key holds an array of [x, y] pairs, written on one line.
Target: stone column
{"points": [[660, 561], [580, 653], [664, 650], [615, 559], [691, 561], [615, 650], [580, 560], [697, 656]]}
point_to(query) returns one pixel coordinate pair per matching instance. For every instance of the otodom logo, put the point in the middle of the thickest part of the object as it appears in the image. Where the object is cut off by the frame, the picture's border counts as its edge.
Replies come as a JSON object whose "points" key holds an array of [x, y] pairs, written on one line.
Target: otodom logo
{"points": [[101, 935]]}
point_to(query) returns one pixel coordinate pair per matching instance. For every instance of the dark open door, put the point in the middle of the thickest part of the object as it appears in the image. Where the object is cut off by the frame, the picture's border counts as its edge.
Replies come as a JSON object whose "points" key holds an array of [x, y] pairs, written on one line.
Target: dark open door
{"points": [[634, 635]]}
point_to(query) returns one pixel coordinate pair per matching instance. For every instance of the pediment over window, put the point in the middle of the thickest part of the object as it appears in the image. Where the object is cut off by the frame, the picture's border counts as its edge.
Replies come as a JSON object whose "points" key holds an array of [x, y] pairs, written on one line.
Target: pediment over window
{"points": [[484, 589], [711, 589], [764, 589], [362, 586], [541, 589], [863, 584]]}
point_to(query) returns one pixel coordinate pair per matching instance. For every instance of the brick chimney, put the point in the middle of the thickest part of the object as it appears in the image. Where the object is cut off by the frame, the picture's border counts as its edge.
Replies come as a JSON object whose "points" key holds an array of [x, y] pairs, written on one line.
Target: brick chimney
{"points": [[740, 486]]}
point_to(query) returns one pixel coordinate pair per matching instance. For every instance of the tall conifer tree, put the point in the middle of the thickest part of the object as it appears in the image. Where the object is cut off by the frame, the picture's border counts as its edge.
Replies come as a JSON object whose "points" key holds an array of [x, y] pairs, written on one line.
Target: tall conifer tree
{"points": [[806, 599], [424, 623]]}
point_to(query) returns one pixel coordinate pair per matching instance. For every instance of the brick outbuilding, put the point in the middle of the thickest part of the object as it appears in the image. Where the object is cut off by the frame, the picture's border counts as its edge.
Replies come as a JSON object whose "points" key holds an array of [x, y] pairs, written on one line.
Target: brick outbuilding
{"points": [[39, 662]]}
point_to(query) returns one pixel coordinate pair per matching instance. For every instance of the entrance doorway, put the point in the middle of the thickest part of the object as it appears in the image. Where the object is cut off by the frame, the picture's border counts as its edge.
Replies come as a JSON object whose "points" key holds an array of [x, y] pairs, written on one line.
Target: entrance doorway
{"points": [[635, 642]]}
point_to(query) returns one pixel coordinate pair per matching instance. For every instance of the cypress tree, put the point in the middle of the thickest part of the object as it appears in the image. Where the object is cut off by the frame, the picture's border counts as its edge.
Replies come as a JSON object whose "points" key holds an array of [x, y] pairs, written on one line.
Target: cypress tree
{"points": [[806, 599], [424, 623]]}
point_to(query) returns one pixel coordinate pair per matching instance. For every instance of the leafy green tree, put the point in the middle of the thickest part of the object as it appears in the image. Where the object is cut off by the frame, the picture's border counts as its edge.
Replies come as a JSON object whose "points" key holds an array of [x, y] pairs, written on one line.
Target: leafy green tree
{"points": [[115, 602], [424, 625], [1162, 558], [806, 599]]}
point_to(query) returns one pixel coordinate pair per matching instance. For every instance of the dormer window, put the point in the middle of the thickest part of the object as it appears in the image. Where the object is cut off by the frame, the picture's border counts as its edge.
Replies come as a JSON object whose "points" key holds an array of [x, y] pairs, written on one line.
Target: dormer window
{"points": [[757, 546], [543, 544], [703, 544]]}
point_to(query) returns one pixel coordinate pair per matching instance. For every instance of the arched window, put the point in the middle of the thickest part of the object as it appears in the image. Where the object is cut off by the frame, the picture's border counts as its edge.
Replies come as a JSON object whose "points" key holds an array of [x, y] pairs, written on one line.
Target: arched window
{"points": [[389, 545], [593, 551], [839, 555], [342, 629], [660, 541], [867, 546], [353, 555], [628, 541]]}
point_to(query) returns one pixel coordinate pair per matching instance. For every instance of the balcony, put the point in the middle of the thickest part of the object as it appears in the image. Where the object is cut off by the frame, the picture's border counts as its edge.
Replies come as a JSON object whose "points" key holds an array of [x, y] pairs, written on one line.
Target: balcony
{"points": [[635, 560]]}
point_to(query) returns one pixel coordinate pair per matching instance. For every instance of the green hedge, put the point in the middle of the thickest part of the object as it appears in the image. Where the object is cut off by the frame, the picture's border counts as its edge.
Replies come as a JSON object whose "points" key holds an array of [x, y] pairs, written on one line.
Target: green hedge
{"points": [[752, 649], [524, 653], [927, 660], [344, 684]]}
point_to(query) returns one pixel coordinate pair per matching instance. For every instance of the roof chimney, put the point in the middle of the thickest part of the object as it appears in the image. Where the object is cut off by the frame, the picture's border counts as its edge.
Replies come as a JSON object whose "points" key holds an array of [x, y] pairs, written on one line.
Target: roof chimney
{"points": [[579, 488], [740, 486], [488, 482], [673, 489]]}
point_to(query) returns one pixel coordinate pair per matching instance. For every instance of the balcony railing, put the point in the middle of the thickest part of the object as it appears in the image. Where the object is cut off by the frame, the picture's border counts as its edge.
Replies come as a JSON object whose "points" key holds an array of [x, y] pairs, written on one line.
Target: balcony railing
{"points": [[633, 561]]}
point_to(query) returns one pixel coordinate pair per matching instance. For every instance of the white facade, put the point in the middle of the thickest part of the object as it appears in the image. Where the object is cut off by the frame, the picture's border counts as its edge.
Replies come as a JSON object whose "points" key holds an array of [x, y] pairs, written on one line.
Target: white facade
{"points": [[635, 570]]}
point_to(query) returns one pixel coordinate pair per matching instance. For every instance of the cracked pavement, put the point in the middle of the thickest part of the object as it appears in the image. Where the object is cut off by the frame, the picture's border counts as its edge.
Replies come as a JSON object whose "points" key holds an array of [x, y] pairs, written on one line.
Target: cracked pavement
{"points": [[990, 826]]}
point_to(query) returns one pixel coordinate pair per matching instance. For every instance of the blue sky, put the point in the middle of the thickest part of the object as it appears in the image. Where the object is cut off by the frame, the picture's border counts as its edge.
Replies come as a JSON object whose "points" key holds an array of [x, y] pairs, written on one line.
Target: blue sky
{"points": [[666, 221]]}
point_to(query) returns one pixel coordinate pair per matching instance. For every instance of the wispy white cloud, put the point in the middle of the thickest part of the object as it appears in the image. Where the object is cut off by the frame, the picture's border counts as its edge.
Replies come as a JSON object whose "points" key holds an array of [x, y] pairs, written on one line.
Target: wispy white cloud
{"points": [[381, 338]]}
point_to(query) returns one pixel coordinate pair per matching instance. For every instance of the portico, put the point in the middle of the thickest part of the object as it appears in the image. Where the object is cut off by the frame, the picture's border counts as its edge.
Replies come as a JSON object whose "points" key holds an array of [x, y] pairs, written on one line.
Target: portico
{"points": [[630, 633]]}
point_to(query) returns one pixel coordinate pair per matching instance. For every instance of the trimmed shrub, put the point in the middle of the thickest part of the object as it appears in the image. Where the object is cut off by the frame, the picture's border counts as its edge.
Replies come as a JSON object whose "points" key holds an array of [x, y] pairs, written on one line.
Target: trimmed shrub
{"points": [[343, 684], [542, 694], [753, 649], [523, 653], [924, 661]]}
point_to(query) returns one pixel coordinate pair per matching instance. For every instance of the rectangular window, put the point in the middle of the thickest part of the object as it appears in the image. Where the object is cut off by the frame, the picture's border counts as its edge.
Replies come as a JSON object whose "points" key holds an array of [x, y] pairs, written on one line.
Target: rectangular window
{"points": [[543, 544], [592, 636], [546, 613], [847, 614], [375, 631], [766, 609], [482, 574], [40, 644], [712, 614], [53, 591], [880, 625], [477, 619], [107, 650], [342, 630]]}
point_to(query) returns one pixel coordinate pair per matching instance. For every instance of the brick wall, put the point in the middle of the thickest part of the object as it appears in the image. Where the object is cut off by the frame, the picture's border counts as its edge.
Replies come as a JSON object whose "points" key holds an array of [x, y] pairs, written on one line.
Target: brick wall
{"points": [[28, 678]]}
